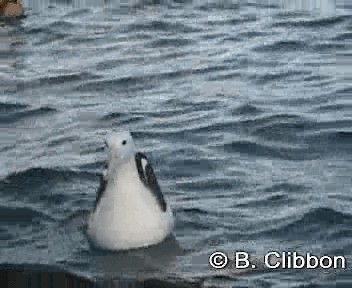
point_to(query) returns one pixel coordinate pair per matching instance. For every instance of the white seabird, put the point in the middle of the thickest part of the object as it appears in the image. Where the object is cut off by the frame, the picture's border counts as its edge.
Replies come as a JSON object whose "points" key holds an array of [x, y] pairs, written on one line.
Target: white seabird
{"points": [[130, 210]]}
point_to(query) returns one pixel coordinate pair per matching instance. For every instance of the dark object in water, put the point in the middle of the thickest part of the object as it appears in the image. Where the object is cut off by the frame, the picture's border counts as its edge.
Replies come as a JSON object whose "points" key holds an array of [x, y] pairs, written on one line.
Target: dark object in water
{"points": [[20, 276], [11, 8]]}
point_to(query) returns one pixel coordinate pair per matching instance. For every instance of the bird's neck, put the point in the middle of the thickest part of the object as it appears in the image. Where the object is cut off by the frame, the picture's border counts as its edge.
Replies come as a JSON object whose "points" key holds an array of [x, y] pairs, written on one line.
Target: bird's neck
{"points": [[122, 170]]}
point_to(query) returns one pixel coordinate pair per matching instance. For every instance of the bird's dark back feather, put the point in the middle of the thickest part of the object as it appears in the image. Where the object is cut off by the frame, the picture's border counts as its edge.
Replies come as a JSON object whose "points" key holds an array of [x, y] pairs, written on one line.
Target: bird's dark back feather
{"points": [[101, 190], [148, 178]]}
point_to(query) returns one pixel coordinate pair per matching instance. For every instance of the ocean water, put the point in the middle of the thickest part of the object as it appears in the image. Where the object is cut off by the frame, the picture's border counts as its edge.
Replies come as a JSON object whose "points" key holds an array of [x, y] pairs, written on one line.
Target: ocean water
{"points": [[243, 107]]}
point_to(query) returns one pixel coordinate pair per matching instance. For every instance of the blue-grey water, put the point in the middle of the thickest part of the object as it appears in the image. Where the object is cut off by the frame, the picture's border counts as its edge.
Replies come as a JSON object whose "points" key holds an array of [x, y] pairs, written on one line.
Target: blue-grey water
{"points": [[243, 107]]}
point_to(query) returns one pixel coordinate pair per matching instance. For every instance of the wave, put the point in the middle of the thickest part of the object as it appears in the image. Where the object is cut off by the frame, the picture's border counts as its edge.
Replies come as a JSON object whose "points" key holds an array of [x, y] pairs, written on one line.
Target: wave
{"points": [[186, 133], [279, 127], [330, 47], [343, 36], [195, 166], [277, 76], [12, 112], [252, 34], [62, 25], [170, 42], [282, 46], [335, 143], [313, 222], [219, 5], [286, 187], [232, 21], [125, 83], [122, 118], [344, 91], [279, 119], [209, 184], [192, 211], [160, 114], [278, 136], [191, 224], [225, 76], [321, 79], [318, 23], [63, 79], [336, 137], [328, 107], [14, 215], [255, 149], [61, 139], [8, 107], [162, 26], [39, 176]]}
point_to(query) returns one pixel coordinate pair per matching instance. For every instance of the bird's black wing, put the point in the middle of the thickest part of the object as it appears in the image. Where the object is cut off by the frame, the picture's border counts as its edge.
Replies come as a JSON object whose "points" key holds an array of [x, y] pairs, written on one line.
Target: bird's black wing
{"points": [[147, 176], [101, 190]]}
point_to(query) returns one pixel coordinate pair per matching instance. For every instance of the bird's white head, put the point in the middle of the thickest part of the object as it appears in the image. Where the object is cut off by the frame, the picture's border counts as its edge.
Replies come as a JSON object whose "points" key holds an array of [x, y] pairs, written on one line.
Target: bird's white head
{"points": [[121, 149]]}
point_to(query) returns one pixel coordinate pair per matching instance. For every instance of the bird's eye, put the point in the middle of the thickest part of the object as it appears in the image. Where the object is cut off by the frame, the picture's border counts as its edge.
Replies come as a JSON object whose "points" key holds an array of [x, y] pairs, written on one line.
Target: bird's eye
{"points": [[124, 142]]}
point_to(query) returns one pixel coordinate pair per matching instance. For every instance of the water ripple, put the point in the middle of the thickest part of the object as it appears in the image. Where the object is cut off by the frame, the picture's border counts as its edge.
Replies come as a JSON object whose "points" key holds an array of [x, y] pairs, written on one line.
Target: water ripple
{"points": [[34, 177], [313, 222], [269, 151], [50, 80], [15, 215], [15, 112], [283, 46], [318, 23], [163, 26]]}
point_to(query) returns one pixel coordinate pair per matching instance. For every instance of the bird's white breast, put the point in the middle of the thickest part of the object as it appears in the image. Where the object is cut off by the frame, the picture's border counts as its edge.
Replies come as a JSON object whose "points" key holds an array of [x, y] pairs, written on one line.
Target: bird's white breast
{"points": [[128, 215]]}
